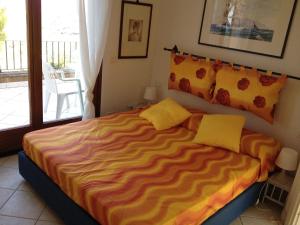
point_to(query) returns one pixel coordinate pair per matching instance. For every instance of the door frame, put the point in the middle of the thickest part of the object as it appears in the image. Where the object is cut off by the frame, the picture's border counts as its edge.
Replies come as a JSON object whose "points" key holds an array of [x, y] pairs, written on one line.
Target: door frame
{"points": [[11, 139]]}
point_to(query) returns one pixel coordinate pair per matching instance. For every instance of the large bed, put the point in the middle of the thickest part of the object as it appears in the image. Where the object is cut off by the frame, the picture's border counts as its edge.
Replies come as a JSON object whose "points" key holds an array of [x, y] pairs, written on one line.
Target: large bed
{"points": [[118, 170]]}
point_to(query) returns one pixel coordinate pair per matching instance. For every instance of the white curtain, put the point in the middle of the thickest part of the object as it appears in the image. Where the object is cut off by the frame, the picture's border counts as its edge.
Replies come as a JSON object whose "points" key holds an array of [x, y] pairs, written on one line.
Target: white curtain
{"points": [[94, 17]]}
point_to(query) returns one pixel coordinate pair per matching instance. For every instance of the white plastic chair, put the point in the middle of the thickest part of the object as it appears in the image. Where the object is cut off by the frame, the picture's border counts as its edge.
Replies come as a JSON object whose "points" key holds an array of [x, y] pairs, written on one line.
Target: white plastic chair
{"points": [[56, 83]]}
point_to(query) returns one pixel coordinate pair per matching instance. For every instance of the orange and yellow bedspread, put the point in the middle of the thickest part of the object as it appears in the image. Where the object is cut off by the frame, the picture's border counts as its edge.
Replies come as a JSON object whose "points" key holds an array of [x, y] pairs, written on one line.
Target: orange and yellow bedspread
{"points": [[124, 172]]}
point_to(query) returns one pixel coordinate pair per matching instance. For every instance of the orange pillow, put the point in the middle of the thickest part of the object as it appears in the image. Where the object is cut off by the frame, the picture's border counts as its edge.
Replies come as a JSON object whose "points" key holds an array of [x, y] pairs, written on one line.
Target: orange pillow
{"points": [[192, 75], [192, 123], [262, 147], [249, 90]]}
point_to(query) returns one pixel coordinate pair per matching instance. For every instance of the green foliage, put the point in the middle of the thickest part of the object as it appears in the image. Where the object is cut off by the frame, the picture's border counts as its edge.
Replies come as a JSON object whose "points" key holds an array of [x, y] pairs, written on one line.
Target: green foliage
{"points": [[3, 20], [60, 63], [56, 65]]}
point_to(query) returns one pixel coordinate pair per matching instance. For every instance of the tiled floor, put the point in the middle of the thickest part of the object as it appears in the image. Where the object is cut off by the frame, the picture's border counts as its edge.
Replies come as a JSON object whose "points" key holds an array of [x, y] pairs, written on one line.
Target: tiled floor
{"points": [[14, 110], [20, 205]]}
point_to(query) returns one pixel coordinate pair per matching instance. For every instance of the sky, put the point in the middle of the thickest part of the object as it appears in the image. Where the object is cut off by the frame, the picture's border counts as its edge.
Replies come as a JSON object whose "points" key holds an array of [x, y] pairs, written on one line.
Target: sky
{"points": [[59, 19]]}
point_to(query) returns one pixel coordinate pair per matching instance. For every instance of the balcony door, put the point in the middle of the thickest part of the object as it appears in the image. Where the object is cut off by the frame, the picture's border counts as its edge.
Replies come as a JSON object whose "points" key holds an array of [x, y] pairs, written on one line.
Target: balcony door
{"points": [[40, 84], [14, 72], [62, 83]]}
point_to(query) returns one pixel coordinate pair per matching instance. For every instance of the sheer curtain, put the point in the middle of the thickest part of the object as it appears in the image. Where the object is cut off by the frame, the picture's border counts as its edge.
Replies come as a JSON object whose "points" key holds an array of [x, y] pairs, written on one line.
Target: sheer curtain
{"points": [[94, 17]]}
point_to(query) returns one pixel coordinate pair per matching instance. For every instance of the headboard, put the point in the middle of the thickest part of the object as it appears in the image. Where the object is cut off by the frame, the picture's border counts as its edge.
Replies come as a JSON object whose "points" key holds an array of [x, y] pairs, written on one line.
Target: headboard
{"points": [[286, 127]]}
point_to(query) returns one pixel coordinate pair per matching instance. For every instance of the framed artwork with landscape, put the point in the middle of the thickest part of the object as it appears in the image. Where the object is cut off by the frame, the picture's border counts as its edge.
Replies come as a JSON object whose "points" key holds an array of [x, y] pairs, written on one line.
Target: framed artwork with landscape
{"points": [[252, 26], [134, 29]]}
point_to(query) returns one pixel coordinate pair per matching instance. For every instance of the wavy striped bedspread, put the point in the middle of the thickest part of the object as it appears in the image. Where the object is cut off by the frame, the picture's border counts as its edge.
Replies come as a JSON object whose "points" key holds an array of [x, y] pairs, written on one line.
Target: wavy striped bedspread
{"points": [[122, 171]]}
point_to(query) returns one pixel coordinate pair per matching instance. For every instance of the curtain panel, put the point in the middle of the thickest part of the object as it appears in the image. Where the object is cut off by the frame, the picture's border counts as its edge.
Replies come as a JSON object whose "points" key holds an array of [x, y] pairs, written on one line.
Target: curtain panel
{"points": [[94, 18]]}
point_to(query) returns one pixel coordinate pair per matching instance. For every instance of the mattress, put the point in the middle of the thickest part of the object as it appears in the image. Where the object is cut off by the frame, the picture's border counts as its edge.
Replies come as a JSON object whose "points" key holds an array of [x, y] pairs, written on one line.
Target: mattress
{"points": [[123, 171]]}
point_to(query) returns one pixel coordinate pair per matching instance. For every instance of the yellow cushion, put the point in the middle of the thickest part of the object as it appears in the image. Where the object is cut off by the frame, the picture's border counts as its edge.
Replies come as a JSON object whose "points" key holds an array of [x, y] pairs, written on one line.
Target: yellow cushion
{"points": [[192, 75], [165, 114], [221, 131], [247, 89]]}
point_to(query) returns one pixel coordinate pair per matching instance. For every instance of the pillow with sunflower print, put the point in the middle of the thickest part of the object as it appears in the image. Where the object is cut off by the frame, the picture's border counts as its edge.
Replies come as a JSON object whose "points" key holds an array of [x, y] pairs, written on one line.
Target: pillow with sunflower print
{"points": [[247, 89], [192, 75]]}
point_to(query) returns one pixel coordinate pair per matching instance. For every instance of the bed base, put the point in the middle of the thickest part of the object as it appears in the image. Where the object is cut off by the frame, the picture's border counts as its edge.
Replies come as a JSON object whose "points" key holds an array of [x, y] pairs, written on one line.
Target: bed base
{"points": [[72, 214]]}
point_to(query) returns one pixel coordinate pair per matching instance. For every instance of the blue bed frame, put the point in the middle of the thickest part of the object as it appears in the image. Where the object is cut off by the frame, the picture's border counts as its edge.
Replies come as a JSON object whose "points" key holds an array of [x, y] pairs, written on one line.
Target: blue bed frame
{"points": [[72, 214]]}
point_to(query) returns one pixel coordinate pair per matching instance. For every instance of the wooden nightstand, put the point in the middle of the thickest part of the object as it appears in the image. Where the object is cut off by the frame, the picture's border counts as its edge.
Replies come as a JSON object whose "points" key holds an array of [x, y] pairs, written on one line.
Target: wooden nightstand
{"points": [[277, 188]]}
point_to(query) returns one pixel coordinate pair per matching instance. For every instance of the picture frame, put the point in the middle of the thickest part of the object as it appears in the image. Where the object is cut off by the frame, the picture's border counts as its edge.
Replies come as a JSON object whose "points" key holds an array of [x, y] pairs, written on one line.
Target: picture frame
{"points": [[252, 26], [135, 27]]}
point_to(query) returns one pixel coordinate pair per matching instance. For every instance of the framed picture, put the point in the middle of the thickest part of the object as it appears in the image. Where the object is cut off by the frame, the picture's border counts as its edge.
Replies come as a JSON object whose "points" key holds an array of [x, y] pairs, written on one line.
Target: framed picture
{"points": [[252, 26], [134, 29]]}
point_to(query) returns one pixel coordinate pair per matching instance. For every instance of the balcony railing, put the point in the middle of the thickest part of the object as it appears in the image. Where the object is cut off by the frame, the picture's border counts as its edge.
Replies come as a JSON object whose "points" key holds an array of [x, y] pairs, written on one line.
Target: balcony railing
{"points": [[13, 54]]}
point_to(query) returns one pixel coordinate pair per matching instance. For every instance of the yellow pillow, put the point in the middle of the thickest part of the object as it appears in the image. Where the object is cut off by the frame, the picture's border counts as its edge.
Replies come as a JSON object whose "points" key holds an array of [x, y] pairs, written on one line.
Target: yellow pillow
{"points": [[221, 131], [165, 114]]}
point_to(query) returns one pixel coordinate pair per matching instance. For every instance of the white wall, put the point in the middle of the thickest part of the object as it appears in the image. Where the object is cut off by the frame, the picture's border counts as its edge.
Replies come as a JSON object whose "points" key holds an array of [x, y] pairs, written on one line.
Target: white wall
{"points": [[179, 23], [291, 211], [124, 80]]}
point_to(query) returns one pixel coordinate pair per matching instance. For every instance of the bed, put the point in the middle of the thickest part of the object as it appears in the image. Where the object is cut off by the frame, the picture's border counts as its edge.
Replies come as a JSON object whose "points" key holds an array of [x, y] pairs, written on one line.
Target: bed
{"points": [[118, 169]]}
